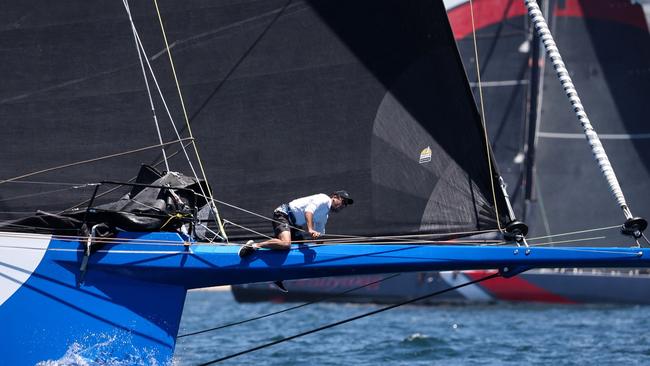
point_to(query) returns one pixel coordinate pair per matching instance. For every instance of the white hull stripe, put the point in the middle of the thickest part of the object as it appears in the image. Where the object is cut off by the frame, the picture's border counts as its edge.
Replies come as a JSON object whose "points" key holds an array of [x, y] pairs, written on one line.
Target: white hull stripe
{"points": [[17, 265], [471, 292]]}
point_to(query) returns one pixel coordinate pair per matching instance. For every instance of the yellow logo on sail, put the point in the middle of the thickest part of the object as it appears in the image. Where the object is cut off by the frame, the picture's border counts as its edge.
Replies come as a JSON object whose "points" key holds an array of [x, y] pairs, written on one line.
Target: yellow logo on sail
{"points": [[425, 155]]}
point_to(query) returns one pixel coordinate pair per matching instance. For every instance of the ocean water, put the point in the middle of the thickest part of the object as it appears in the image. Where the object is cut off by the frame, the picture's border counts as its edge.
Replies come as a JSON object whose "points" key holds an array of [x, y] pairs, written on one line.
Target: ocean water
{"points": [[495, 334]]}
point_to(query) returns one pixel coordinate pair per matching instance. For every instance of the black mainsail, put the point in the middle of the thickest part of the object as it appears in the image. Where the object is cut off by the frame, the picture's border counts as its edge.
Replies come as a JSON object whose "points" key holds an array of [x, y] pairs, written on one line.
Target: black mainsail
{"points": [[287, 98]]}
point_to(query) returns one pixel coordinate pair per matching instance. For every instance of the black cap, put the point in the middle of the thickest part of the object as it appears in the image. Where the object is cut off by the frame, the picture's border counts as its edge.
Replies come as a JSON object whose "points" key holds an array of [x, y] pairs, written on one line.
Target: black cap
{"points": [[345, 196]]}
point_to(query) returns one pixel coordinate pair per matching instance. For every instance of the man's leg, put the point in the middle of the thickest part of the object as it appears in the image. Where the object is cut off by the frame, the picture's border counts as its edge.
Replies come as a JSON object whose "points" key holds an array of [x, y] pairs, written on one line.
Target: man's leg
{"points": [[282, 242]]}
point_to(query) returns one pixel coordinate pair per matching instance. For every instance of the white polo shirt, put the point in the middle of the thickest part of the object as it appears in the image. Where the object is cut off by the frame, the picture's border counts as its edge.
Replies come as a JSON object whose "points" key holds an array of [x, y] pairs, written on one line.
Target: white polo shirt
{"points": [[318, 204]]}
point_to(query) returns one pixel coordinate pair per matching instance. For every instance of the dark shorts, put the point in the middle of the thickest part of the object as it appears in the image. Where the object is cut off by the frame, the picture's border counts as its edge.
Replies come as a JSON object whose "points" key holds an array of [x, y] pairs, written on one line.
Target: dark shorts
{"points": [[281, 222]]}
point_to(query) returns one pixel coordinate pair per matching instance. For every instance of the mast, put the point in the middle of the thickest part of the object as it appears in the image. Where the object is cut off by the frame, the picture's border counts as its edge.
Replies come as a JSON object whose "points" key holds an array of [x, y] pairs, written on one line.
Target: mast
{"points": [[534, 103]]}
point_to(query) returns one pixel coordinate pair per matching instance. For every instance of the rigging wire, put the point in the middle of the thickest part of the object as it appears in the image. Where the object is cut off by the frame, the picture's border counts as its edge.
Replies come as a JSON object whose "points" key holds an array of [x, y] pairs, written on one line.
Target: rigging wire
{"points": [[343, 237], [351, 239], [130, 180], [42, 193], [164, 101], [542, 207], [146, 58], [46, 183], [74, 239], [335, 241], [321, 299], [276, 13], [208, 229], [482, 116], [226, 222], [344, 321], [646, 239], [146, 80], [576, 232], [551, 243], [93, 160], [134, 241], [189, 128]]}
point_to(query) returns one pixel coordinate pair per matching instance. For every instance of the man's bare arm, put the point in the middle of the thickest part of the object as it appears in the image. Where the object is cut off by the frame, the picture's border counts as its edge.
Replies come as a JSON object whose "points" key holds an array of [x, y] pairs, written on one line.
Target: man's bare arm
{"points": [[309, 217]]}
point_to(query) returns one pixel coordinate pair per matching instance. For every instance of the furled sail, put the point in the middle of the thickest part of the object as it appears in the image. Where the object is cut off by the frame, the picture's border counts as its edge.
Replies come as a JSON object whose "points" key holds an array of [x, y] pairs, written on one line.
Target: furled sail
{"points": [[286, 98]]}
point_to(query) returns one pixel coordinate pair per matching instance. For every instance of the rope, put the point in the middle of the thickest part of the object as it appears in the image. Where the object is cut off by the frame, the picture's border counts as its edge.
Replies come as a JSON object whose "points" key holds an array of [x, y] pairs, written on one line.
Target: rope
{"points": [[132, 179], [47, 183], [276, 13], [146, 81], [41, 193], [171, 217], [566, 241], [331, 325], [245, 228], [540, 201], [482, 116], [321, 299], [208, 229], [575, 232], [187, 122], [93, 160], [563, 74], [343, 237], [76, 239], [164, 102]]}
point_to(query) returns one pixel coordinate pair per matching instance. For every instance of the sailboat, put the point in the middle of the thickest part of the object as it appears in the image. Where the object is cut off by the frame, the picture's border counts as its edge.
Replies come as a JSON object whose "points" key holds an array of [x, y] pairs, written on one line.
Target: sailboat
{"points": [[278, 99], [549, 196]]}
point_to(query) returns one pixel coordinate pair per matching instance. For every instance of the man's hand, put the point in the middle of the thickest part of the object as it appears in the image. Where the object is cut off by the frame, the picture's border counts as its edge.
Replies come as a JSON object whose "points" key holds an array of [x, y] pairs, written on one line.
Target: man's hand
{"points": [[309, 217]]}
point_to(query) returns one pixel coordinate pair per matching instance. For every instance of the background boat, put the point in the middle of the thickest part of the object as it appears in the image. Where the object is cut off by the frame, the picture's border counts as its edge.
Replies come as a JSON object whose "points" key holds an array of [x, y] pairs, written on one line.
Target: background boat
{"points": [[554, 185]]}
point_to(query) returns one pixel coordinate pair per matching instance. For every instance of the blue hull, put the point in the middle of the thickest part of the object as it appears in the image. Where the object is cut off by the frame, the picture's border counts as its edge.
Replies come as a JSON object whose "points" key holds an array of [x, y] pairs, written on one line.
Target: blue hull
{"points": [[129, 304]]}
